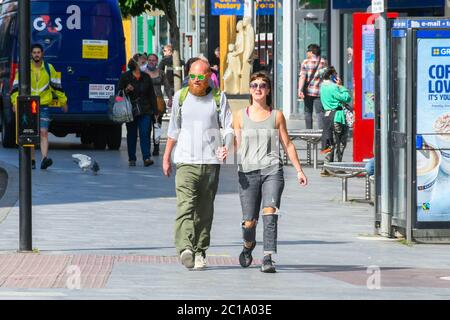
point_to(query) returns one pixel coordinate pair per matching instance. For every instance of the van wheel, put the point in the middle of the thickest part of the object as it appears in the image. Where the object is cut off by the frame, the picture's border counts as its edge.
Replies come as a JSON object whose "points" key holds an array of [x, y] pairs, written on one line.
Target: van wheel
{"points": [[114, 137], [8, 134], [100, 139]]}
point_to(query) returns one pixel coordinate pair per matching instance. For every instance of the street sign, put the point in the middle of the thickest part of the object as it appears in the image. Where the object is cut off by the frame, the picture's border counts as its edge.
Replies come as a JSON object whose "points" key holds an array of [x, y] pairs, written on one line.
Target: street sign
{"points": [[377, 6], [27, 121], [227, 7]]}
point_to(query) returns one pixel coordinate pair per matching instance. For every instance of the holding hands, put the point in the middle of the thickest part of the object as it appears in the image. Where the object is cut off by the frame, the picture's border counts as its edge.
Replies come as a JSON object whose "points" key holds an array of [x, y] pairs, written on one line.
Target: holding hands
{"points": [[222, 153]]}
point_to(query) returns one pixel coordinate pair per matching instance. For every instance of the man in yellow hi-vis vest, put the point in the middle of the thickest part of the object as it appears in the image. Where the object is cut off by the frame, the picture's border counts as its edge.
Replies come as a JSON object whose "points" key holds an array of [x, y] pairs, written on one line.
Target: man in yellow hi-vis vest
{"points": [[45, 82]]}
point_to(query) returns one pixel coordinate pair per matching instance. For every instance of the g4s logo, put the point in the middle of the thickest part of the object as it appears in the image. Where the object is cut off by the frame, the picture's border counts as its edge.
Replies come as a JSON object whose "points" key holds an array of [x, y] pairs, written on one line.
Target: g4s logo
{"points": [[73, 21]]}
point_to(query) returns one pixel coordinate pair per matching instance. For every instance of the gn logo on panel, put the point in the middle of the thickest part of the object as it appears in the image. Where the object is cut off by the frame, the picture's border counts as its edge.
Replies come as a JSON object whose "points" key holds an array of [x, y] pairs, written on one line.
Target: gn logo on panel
{"points": [[440, 51]]}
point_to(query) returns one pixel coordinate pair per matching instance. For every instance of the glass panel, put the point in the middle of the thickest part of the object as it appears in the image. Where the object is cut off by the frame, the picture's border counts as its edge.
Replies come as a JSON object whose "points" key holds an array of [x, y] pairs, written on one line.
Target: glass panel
{"points": [[6, 41], [348, 51], [191, 16], [279, 55], [312, 4], [398, 125], [140, 34], [203, 46], [163, 34], [182, 16], [309, 32]]}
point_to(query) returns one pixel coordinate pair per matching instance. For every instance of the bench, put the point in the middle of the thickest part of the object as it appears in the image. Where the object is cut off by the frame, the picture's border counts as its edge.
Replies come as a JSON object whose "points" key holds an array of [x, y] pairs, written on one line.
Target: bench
{"points": [[312, 138], [346, 170]]}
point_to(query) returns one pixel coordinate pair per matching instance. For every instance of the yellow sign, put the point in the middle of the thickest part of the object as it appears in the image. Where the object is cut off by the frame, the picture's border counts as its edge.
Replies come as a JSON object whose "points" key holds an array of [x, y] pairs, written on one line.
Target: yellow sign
{"points": [[95, 49]]}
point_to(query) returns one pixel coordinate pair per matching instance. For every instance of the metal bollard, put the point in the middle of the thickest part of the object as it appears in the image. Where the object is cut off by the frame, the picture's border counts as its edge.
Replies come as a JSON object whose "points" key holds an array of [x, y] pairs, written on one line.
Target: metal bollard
{"points": [[344, 189]]}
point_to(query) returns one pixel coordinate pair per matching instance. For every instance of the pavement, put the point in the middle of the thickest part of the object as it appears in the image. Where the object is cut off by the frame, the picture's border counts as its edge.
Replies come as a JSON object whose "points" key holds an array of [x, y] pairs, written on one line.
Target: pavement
{"points": [[110, 236]]}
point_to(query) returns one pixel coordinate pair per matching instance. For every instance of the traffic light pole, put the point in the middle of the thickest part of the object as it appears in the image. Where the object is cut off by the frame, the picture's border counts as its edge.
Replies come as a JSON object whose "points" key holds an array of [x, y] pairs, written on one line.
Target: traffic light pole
{"points": [[25, 200]]}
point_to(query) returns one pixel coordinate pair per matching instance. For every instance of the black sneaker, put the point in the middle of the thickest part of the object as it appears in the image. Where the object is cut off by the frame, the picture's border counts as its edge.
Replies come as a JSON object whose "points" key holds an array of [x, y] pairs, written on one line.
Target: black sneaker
{"points": [[33, 164], [268, 265], [245, 258], [46, 162]]}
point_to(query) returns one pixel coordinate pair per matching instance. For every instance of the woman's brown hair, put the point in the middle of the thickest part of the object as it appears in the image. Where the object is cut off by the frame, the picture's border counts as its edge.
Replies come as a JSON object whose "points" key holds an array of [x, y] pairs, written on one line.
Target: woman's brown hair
{"points": [[264, 77]]}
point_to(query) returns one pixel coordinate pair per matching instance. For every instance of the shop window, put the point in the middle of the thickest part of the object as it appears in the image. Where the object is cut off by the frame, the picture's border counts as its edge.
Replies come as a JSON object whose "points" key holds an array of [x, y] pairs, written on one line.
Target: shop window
{"points": [[312, 4]]}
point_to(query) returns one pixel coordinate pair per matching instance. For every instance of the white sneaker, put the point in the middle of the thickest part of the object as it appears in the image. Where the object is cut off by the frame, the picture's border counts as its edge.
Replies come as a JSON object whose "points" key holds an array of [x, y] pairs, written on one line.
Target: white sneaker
{"points": [[187, 258], [200, 262]]}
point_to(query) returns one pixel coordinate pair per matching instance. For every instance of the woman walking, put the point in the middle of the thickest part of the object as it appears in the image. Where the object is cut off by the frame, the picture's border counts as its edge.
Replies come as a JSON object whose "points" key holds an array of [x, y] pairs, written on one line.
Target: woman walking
{"points": [[139, 88], [159, 79], [259, 130]]}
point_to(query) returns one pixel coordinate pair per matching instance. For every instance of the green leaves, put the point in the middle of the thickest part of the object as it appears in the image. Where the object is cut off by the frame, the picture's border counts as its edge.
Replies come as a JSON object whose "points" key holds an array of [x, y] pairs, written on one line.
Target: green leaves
{"points": [[137, 7]]}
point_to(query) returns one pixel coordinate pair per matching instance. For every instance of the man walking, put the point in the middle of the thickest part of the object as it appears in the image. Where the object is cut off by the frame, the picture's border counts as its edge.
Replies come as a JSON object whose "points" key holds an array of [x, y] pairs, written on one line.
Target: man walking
{"points": [[166, 65], [309, 84], [45, 82], [194, 128]]}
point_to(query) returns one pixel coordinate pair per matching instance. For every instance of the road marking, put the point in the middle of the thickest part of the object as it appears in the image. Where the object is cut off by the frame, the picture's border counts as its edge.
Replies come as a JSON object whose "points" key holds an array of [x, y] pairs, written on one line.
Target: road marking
{"points": [[445, 278]]}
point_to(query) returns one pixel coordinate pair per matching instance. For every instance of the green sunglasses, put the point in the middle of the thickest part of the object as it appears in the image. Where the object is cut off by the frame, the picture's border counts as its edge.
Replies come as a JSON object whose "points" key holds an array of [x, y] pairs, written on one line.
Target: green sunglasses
{"points": [[200, 77]]}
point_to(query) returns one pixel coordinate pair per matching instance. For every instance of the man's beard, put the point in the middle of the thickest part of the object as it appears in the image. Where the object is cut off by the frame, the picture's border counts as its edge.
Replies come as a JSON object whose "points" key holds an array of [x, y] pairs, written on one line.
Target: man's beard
{"points": [[198, 91], [36, 59]]}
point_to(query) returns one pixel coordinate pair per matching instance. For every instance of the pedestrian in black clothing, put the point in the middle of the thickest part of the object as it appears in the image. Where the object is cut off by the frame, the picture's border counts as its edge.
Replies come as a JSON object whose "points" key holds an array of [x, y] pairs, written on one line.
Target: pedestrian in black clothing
{"points": [[139, 88], [166, 64]]}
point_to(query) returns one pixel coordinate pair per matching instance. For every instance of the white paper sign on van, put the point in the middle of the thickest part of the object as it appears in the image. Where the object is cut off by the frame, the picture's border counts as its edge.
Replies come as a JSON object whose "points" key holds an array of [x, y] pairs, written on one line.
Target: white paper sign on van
{"points": [[73, 21], [101, 91]]}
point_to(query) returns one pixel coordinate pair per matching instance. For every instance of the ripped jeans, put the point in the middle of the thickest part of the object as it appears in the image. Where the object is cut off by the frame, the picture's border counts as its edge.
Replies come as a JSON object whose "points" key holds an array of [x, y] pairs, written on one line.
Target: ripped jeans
{"points": [[256, 189]]}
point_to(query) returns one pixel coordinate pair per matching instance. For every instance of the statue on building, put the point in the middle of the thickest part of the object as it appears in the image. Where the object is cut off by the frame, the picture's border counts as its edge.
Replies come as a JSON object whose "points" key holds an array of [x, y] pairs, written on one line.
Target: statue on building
{"points": [[240, 59], [247, 57], [232, 76]]}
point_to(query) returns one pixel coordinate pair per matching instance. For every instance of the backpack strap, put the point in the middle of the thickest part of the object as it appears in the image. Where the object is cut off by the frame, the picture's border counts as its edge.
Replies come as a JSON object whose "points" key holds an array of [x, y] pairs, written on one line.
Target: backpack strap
{"points": [[183, 94], [217, 94]]}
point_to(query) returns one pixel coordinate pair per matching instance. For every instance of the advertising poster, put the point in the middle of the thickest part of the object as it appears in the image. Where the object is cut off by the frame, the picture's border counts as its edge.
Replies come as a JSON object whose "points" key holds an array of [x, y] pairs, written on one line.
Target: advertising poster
{"points": [[368, 72], [227, 7], [433, 126], [265, 7]]}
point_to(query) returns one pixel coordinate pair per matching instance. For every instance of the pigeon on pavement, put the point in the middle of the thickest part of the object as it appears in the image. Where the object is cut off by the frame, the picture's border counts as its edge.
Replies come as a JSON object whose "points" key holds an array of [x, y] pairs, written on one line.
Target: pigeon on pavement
{"points": [[86, 163]]}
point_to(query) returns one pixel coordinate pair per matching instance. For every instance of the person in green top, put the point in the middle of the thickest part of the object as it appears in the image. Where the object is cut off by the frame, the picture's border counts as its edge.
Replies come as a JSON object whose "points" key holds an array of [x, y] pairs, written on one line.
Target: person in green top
{"points": [[333, 96]]}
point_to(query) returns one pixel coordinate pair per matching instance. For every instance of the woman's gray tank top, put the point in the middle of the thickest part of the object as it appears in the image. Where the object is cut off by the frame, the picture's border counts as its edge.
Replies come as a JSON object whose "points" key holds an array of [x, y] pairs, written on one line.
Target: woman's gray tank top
{"points": [[260, 143]]}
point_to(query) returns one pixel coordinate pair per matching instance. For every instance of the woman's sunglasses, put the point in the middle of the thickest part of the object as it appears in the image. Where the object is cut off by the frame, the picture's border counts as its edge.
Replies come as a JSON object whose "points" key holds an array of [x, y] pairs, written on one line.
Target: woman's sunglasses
{"points": [[200, 77], [261, 85]]}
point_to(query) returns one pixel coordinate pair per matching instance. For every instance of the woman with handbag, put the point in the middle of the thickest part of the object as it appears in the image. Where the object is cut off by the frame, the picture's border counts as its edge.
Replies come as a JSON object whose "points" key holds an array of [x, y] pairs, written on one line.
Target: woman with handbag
{"points": [[139, 88], [159, 79]]}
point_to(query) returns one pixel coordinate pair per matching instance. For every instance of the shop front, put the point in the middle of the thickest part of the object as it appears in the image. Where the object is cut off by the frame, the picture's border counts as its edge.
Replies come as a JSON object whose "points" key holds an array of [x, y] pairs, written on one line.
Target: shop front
{"points": [[297, 25], [329, 24]]}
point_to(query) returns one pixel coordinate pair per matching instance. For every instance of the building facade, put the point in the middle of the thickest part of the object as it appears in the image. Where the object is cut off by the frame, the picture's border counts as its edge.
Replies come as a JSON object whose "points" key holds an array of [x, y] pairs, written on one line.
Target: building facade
{"points": [[328, 23]]}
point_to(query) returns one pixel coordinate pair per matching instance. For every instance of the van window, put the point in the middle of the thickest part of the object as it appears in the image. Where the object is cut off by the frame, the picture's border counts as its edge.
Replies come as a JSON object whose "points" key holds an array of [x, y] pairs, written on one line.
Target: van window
{"points": [[7, 32]]}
